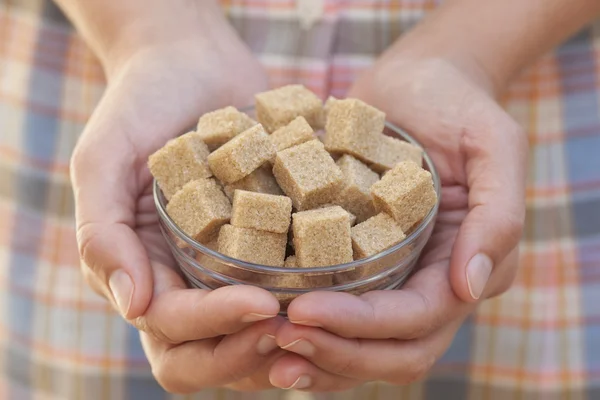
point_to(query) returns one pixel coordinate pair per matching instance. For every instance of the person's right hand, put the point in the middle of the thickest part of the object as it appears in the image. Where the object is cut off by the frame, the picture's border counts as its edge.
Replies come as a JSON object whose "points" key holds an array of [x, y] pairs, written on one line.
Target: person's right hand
{"points": [[153, 95]]}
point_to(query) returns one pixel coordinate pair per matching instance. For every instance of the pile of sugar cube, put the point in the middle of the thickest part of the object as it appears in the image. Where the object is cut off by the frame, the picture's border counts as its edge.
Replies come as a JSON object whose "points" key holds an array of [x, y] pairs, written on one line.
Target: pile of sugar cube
{"points": [[275, 193]]}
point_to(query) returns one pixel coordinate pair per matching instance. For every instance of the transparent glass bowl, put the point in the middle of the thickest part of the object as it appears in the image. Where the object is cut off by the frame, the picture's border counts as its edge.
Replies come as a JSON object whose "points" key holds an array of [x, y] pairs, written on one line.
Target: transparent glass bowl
{"points": [[206, 268]]}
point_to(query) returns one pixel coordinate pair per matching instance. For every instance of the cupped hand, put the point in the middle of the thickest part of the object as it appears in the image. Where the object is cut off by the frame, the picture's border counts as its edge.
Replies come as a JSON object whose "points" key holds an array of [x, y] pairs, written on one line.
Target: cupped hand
{"points": [[193, 338], [337, 341]]}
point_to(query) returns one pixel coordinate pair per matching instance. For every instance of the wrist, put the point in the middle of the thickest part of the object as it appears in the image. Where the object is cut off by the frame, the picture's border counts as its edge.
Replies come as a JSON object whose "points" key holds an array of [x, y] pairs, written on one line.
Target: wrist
{"points": [[425, 48], [118, 31], [468, 35]]}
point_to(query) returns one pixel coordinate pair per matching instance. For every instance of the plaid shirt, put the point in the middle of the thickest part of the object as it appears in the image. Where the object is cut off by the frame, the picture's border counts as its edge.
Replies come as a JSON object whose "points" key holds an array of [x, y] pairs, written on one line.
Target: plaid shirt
{"points": [[541, 340]]}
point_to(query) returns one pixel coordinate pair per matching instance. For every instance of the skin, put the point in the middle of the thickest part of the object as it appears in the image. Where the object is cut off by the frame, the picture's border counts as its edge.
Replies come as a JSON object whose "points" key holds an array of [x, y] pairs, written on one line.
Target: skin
{"points": [[439, 83], [164, 70]]}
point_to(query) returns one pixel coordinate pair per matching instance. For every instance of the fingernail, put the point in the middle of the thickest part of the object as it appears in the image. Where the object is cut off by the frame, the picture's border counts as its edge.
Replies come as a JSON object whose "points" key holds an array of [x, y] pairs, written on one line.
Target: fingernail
{"points": [[302, 347], [121, 287], [303, 382], [307, 323], [254, 317], [478, 273], [266, 344]]}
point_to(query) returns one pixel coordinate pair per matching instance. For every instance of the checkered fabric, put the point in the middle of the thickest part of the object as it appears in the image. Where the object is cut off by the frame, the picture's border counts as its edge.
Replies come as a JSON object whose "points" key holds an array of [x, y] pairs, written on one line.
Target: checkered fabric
{"points": [[58, 340]]}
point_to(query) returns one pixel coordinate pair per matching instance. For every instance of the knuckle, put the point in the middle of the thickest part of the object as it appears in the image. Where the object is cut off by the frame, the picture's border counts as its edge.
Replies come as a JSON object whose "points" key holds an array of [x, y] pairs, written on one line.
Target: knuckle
{"points": [[160, 334], [142, 324], [87, 244], [425, 325], [470, 141], [481, 138]]}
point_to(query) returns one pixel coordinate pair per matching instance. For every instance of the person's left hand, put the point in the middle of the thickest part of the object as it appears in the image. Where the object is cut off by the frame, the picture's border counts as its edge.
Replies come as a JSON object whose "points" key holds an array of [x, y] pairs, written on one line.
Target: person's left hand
{"points": [[337, 341]]}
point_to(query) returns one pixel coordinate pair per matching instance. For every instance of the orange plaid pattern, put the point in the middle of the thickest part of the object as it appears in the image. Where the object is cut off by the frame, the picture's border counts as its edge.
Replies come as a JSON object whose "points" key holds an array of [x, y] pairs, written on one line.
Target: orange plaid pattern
{"points": [[541, 340]]}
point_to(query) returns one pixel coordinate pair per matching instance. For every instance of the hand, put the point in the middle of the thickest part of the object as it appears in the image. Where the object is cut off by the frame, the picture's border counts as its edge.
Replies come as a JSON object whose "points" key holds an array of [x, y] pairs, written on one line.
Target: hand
{"points": [[152, 96], [396, 336]]}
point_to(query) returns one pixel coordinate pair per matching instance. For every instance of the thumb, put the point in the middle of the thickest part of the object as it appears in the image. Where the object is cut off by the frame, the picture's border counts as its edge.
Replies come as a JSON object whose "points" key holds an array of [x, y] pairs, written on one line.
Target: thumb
{"points": [[115, 264], [114, 260], [495, 168]]}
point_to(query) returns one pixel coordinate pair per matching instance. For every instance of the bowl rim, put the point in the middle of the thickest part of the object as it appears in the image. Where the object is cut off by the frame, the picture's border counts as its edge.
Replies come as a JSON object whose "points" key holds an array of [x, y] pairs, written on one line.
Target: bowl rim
{"points": [[161, 209]]}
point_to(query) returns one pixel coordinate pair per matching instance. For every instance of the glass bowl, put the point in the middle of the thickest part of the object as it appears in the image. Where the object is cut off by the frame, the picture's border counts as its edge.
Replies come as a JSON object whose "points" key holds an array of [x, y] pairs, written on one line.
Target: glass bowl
{"points": [[204, 267]]}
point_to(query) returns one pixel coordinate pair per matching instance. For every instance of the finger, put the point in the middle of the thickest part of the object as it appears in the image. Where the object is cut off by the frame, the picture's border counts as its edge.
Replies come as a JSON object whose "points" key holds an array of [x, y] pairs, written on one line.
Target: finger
{"points": [[453, 198], [202, 364], [259, 380], [496, 171], [177, 314], [503, 276], [117, 260], [391, 360], [425, 303], [293, 372]]}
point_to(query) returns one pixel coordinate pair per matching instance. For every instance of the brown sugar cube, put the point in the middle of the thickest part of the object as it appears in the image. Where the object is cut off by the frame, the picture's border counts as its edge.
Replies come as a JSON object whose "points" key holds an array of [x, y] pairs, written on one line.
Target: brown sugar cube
{"points": [[265, 212], [180, 161], [355, 197], [290, 262], [296, 132], [352, 127], [199, 209], [298, 281], [230, 271], [326, 108], [292, 280], [213, 264], [278, 107], [325, 111], [290, 244], [307, 281], [351, 216], [371, 237], [242, 155], [398, 260], [251, 245], [392, 151], [375, 235], [406, 193], [261, 180], [308, 175], [322, 237], [220, 126], [279, 284]]}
